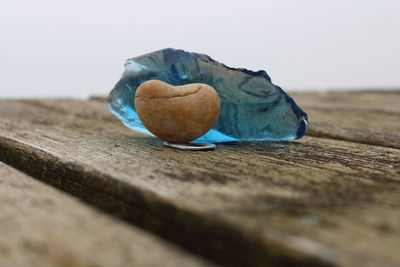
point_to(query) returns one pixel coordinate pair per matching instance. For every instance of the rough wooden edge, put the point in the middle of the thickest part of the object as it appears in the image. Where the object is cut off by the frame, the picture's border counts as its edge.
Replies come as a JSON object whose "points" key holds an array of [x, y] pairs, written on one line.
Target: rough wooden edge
{"points": [[42, 226], [208, 237]]}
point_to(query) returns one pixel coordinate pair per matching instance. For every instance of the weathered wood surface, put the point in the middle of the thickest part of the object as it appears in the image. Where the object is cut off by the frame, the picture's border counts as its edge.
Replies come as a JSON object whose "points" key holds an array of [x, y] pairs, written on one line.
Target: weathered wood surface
{"points": [[311, 202], [370, 117], [40, 226]]}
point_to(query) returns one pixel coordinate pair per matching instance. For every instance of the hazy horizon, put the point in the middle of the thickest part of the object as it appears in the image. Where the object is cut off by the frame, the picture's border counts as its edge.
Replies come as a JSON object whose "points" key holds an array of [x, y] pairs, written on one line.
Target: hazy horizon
{"points": [[78, 48]]}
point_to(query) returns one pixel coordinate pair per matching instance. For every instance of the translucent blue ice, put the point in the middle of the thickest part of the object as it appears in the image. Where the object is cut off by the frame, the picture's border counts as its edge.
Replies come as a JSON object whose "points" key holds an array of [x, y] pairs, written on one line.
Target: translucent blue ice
{"points": [[252, 108]]}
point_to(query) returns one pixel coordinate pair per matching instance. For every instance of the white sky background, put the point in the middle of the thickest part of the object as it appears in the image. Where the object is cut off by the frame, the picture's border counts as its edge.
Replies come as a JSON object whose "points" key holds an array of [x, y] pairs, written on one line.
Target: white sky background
{"points": [[77, 48]]}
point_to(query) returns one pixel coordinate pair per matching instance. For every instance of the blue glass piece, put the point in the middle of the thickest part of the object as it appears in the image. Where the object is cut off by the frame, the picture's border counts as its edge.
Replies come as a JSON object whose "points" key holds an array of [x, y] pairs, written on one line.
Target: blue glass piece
{"points": [[252, 108]]}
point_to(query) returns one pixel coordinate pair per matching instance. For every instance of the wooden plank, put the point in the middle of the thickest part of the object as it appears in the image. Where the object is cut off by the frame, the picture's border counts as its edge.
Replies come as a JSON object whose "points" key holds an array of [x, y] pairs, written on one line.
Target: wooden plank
{"points": [[370, 117], [40, 226], [306, 203]]}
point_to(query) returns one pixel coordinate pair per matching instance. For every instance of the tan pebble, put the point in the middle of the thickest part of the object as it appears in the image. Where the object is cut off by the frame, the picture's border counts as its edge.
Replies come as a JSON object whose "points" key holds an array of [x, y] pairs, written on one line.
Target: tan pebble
{"points": [[177, 114]]}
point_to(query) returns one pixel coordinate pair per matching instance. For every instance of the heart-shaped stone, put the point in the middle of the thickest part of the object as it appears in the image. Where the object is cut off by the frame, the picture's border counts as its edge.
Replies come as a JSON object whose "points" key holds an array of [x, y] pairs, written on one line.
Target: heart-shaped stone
{"points": [[177, 114]]}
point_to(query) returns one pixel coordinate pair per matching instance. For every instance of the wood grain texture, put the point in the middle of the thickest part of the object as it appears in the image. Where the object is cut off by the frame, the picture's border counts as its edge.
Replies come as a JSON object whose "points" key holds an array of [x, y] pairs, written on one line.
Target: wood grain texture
{"points": [[311, 202], [370, 117], [41, 226]]}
